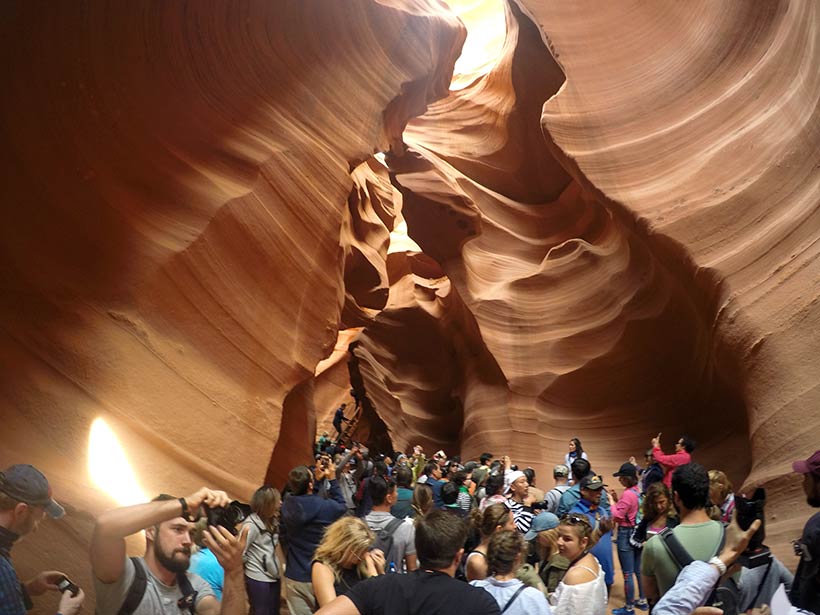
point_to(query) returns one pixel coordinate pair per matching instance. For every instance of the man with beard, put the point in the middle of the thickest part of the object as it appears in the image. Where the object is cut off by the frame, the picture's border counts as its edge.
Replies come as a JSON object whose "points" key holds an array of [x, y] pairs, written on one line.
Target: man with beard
{"points": [[150, 585], [805, 592]]}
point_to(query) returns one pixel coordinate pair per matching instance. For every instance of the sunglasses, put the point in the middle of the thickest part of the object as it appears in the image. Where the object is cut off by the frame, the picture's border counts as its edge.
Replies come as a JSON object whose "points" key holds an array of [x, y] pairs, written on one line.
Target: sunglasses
{"points": [[575, 519]]}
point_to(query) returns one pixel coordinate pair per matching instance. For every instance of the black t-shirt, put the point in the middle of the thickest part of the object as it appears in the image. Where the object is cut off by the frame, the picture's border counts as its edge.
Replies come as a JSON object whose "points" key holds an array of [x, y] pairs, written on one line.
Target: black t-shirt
{"points": [[805, 591], [427, 593]]}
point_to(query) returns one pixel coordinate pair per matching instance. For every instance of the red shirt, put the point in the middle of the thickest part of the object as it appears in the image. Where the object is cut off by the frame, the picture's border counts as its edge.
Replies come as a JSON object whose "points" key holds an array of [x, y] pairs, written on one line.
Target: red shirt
{"points": [[670, 462]]}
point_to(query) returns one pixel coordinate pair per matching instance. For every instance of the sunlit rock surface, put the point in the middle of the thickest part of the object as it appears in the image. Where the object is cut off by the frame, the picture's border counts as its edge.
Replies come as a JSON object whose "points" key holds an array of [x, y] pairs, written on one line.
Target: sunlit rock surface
{"points": [[612, 219]]}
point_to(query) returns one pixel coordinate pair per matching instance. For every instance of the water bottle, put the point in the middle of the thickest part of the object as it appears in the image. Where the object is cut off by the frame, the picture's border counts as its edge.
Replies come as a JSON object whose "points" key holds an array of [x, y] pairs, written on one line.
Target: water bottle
{"points": [[392, 568]]}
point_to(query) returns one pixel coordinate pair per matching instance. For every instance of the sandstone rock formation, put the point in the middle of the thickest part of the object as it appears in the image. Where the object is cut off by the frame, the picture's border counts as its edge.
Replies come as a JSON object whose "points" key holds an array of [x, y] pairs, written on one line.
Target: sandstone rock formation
{"points": [[615, 218]]}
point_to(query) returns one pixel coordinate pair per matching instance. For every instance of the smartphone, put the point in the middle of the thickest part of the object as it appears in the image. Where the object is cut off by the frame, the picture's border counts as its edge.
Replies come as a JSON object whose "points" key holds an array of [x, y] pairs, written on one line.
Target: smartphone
{"points": [[66, 585]]}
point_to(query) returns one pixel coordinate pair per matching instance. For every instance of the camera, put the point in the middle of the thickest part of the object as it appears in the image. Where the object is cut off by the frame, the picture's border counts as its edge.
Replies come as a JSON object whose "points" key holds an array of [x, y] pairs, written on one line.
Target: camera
{"points": [[66, 585], [228, 516], [746, 511]]}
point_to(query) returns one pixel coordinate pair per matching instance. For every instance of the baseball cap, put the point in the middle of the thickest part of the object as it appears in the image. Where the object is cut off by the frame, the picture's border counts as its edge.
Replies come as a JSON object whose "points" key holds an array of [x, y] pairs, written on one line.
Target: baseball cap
{"points": [[809, 466], [560, 470], [510, 478], [627, 469], [592, 482], [26, 483], [542, 521]]}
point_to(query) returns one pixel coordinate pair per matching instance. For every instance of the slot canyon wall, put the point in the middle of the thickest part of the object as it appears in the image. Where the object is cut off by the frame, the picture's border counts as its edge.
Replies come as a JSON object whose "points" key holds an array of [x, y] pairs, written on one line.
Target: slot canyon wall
{"points": [[607, 228]]}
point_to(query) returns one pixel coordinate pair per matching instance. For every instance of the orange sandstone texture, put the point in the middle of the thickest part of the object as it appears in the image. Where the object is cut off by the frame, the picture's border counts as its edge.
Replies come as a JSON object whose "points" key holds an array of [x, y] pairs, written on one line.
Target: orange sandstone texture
{"points": [[174, 186]]}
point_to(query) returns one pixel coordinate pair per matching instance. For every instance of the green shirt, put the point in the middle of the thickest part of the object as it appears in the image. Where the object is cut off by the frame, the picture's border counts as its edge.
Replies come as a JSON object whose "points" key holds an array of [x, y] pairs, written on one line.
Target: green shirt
{"points": [[701, 540]]}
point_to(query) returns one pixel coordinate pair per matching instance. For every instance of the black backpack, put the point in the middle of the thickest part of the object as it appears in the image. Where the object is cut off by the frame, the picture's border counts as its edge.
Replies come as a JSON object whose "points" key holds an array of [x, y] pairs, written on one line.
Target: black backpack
{"points": [[137, 590], [384, 541], [726, 594]]}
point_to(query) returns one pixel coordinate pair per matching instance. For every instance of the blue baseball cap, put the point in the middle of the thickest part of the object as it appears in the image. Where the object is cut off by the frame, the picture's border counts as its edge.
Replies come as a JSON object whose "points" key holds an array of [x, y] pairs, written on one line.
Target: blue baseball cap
{"points": [[541, 522], [27, 484]]}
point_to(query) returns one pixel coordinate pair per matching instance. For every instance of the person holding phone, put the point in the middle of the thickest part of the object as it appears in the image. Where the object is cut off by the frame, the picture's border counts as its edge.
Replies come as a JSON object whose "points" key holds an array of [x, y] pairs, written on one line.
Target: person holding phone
{"points": [[25, 500]]}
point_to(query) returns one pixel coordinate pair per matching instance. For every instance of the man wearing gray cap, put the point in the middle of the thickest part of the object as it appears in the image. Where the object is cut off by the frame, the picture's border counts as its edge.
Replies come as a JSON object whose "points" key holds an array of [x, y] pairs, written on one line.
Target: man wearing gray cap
{"points": [[25, 500]]}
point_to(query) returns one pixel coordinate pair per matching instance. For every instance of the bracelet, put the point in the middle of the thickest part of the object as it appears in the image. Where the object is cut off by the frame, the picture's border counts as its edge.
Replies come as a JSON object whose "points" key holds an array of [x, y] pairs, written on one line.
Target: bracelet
{"points": [[186, 513], [716, 561]]}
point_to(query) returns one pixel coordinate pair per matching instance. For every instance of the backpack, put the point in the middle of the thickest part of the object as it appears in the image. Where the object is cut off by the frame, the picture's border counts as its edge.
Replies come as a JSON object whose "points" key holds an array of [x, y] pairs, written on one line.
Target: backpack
{"points": [[140, 582], [384, 541], [726, 594]]}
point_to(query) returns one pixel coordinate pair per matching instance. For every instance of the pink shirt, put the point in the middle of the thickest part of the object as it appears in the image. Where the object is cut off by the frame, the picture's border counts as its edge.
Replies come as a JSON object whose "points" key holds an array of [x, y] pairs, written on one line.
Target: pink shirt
{"points": [[626, 508], [670, 462]]}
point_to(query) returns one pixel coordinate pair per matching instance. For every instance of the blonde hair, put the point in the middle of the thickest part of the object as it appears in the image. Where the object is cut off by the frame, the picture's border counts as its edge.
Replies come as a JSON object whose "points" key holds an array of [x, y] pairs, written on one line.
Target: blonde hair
{"points": [[346, 535], [719, 479], [422, 499], [266, 502], [551, 537]]}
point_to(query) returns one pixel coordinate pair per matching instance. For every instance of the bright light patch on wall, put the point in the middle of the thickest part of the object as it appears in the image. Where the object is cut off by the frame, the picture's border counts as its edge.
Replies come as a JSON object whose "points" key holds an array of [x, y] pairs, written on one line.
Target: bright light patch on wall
{"points": [[486, 30], [400, 241], [109, 468]]}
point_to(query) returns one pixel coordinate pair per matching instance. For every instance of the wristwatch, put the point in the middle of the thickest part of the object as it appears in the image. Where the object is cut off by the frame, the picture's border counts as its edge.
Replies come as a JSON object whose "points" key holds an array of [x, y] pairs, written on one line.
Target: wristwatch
{"points": [[717, 562]]}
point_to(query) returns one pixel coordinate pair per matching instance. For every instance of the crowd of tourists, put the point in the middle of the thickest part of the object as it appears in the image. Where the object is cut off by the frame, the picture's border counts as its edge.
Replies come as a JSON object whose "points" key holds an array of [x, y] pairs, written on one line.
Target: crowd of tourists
{"points": [[354, 533]]}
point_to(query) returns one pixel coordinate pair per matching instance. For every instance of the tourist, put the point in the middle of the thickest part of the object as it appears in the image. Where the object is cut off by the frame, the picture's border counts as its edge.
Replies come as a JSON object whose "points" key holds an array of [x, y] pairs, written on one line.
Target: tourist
{"points": [[536, 494], [494, 518], [493, 492], [432, 478], [204, 562], [652, 473], [721, 495], [552, 499], [449, 497], [576, 451], [399, 547], [552, 566], [338, 419], [589, 505], [348, 474], [25, 500], [167, 522], [579, 469], [582, 591], [304, 518], [805, 592], [403, 507], [465, 500], [263, 555], [431, 589], [422, 499], [682, 455], [698, 579], [505, 556], [344, 558], [698, 534], [624, 513], [657, 514], [519, 500]]}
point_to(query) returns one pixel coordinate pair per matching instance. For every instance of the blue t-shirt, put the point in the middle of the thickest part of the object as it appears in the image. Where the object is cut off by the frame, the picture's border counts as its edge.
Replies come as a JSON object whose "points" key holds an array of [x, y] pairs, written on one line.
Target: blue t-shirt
{"points": [[205, 564]]}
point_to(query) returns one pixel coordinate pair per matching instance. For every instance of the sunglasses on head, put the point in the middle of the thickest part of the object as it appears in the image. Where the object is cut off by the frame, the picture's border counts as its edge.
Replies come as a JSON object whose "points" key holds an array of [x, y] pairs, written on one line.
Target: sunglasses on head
{"points": [[575, 519]]}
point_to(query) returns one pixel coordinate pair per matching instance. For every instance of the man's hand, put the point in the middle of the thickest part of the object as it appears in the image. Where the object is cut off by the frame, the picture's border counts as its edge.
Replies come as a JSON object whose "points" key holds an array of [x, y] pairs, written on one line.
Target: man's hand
{"points": [[633, 461], [71, 605], [319, 473], [227, 548], [43, 582], [208, 497], [736, 541], [507, 463]]}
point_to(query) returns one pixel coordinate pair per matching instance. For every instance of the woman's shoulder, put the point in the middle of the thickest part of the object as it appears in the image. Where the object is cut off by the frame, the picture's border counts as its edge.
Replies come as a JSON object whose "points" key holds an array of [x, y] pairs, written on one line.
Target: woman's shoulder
{"points": [[586, 570]]}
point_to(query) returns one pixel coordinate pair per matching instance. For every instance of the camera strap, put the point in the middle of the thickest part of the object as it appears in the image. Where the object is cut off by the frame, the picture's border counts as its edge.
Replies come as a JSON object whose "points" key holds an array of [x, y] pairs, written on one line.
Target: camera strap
{"points": [[188, 600]]}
